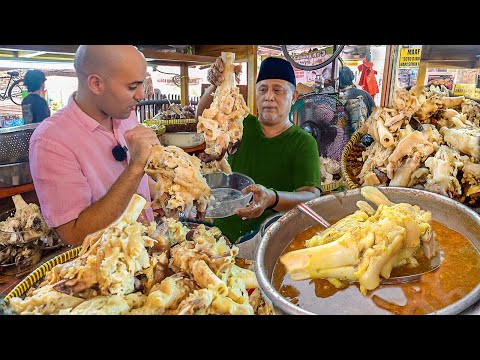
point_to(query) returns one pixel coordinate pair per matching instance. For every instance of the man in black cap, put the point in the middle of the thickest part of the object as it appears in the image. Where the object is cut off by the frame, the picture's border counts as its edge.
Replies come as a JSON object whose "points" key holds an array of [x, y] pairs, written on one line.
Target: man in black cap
{"points": [[34, 106], [278, 155]]}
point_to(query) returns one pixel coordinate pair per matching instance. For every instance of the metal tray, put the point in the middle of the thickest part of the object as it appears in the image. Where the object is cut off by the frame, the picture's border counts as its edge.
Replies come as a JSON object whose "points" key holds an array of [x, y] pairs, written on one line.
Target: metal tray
{"points": [[15, 174], [14, 142]]}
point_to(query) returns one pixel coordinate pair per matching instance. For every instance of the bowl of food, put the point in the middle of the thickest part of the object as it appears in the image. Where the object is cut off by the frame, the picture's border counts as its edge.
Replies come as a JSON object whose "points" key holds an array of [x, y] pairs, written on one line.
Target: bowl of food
{"points": [[227, 193], [155, 126], [19, 259], [453, 288], [24, 237]]}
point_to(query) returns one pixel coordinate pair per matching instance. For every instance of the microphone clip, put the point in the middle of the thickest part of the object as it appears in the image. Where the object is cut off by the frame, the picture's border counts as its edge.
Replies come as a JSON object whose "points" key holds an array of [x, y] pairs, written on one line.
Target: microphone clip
{"points": [[119, 152]]}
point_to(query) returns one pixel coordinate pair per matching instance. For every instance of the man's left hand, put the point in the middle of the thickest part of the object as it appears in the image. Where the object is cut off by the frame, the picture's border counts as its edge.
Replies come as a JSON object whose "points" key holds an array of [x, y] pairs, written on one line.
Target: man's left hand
{"points": [[262, 199]]}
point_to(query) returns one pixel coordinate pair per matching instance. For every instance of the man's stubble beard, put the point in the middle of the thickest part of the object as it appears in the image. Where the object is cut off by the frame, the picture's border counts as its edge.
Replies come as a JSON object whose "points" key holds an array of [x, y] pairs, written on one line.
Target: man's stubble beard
{"points": [[269, 119]]}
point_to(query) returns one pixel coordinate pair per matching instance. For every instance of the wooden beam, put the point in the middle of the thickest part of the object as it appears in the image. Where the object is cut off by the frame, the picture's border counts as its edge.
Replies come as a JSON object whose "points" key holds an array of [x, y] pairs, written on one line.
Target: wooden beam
{"points": [[61, 49], [454, 64], [241, 51], [34, 60], [170, 57], [451, 55], [33, 54]]}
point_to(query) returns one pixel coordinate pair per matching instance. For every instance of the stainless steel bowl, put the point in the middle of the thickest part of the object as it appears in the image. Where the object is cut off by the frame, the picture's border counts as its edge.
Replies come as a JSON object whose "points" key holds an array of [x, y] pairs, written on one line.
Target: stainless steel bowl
{"points": [[332, 207], [227, 191]]}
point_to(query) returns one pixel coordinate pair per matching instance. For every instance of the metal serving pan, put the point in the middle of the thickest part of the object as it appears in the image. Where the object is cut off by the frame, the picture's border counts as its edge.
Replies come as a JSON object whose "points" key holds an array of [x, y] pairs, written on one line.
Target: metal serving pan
{"points": [[332, 207]]}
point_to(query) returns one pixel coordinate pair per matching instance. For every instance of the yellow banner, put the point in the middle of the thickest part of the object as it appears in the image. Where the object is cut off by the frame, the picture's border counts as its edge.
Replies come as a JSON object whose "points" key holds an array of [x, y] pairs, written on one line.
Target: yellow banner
{"points": [[409, 58], [351, 62], [464, 89]]}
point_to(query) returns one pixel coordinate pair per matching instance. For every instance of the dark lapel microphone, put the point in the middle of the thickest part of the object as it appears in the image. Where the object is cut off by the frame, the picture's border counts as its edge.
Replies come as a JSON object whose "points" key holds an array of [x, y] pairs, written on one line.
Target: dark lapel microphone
{"points": [[120, 152]]}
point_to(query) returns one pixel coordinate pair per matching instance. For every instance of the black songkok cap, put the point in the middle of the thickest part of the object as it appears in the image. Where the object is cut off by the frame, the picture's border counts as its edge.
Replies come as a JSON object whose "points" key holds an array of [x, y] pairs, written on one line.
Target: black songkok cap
{"points": [[276, 68]]}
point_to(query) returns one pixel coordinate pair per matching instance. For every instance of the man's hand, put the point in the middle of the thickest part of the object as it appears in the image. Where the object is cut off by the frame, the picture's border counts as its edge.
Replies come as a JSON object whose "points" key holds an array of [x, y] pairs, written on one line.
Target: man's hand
{"points": [[215, 76], [140, 140], [262, 199]]}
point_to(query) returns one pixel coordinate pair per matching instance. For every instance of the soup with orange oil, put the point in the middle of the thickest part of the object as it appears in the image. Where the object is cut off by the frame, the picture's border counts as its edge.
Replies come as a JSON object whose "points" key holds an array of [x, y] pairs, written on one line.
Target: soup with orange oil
{"points": [[458, 274]]}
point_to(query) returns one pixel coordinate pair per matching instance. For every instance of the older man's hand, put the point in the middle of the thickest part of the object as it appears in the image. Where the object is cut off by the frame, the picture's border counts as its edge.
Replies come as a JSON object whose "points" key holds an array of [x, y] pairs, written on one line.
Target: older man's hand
{"points": [[215, 73], [262, 199]]}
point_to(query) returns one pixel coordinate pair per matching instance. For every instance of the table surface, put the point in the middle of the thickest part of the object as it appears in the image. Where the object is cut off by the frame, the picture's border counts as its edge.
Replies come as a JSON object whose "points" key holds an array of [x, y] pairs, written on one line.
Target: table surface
{"points": [[8, 282]]}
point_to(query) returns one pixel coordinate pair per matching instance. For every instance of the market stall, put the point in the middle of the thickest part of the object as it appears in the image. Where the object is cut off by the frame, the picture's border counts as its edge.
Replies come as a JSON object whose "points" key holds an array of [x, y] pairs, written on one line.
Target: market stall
{"points": [[421, 146]]}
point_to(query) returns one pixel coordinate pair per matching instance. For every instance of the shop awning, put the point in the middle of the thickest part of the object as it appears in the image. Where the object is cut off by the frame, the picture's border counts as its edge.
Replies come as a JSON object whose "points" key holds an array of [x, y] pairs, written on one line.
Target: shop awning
{"points": [[452, 56]]}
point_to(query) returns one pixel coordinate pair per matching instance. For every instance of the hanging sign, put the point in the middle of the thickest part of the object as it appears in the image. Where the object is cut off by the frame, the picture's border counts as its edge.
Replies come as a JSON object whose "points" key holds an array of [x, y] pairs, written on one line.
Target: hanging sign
{"points": [[409, 58]]}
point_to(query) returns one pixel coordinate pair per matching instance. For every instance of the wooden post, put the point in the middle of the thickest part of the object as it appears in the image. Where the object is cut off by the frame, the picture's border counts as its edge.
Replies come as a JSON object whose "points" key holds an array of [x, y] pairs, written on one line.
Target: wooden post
{"points": [[252, 78], [393, 80], [184, 82], [388, 71], [422, 73]]}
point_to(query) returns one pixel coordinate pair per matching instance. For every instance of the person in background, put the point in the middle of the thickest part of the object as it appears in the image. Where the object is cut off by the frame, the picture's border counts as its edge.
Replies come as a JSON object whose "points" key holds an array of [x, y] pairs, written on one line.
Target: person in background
{"points": [[332, 136], [87, 160], [346, 85], [34, 106], [278, 155]]}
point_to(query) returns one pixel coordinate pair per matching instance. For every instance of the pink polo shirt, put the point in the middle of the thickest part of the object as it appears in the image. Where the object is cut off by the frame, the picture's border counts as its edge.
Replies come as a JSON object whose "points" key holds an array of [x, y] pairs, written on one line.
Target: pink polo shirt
{"points": [[72, 165]]}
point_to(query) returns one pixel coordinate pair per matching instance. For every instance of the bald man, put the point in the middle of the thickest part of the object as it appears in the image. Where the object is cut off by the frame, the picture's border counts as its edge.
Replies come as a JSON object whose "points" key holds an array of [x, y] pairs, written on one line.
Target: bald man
{"points": [[82, 183]]}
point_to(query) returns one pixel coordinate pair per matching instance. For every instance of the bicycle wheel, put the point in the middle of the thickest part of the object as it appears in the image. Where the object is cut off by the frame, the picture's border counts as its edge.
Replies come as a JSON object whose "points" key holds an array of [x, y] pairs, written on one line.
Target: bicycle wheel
{"points": [[311, 57], [15, 92]]}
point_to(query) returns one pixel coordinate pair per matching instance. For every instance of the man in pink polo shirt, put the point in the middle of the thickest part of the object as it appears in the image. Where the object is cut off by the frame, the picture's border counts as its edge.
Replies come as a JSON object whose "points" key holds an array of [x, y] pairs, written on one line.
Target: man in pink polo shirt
{"points": [[82, 187]]}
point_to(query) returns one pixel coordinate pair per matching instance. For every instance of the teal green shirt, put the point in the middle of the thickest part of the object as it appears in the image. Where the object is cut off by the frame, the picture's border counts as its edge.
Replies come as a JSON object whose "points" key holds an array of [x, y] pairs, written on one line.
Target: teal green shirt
{"points": [[285, 162]]}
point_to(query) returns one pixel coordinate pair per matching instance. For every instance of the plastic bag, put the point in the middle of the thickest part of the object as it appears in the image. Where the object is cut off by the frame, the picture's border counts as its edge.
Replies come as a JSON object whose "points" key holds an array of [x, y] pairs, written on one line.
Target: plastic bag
{"points": [[371, 81]]}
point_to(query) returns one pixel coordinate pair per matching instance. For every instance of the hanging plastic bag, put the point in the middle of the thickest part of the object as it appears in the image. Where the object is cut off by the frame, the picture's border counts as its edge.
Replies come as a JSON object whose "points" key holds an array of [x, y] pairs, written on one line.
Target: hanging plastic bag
{"points": [[371, 82]]}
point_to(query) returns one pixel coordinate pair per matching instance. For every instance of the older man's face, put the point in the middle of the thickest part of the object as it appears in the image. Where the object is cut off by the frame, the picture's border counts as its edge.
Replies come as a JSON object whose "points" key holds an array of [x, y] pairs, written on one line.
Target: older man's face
{"points": [[274, 100]]}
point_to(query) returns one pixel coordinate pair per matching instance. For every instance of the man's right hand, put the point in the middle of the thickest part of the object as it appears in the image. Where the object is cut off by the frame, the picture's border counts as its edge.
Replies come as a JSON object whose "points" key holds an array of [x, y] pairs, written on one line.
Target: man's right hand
{"points": [[215, 76], [140, 140]]}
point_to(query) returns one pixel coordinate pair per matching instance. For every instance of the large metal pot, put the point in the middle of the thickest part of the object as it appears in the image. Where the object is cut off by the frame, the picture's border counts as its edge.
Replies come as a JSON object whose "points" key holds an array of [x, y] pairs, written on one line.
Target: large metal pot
{"points": [[335, 206]]}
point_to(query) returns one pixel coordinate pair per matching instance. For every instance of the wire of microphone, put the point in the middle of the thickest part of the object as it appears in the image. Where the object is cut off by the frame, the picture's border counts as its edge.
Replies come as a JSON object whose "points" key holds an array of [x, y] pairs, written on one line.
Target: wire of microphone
{"points": [[119, 152]]}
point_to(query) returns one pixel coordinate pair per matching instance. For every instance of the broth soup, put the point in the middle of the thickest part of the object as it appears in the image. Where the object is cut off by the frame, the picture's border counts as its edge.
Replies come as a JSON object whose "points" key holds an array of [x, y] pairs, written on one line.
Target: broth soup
{"points": [[458, 274]]}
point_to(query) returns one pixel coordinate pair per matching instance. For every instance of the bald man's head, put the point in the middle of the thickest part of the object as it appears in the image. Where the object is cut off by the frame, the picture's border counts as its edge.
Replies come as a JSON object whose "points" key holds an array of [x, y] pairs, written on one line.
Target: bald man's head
{"points": [[110, 79], [104, 60]]}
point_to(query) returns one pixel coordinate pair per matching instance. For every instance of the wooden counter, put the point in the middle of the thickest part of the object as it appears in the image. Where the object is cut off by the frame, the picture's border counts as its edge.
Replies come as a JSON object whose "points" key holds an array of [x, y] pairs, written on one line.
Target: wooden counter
{"points": [[14, 190]]}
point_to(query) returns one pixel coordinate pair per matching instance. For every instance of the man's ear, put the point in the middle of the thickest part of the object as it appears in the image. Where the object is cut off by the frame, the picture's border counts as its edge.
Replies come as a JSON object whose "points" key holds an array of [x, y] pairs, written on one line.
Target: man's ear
{"points": [[294, 96], [95, 84]]}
